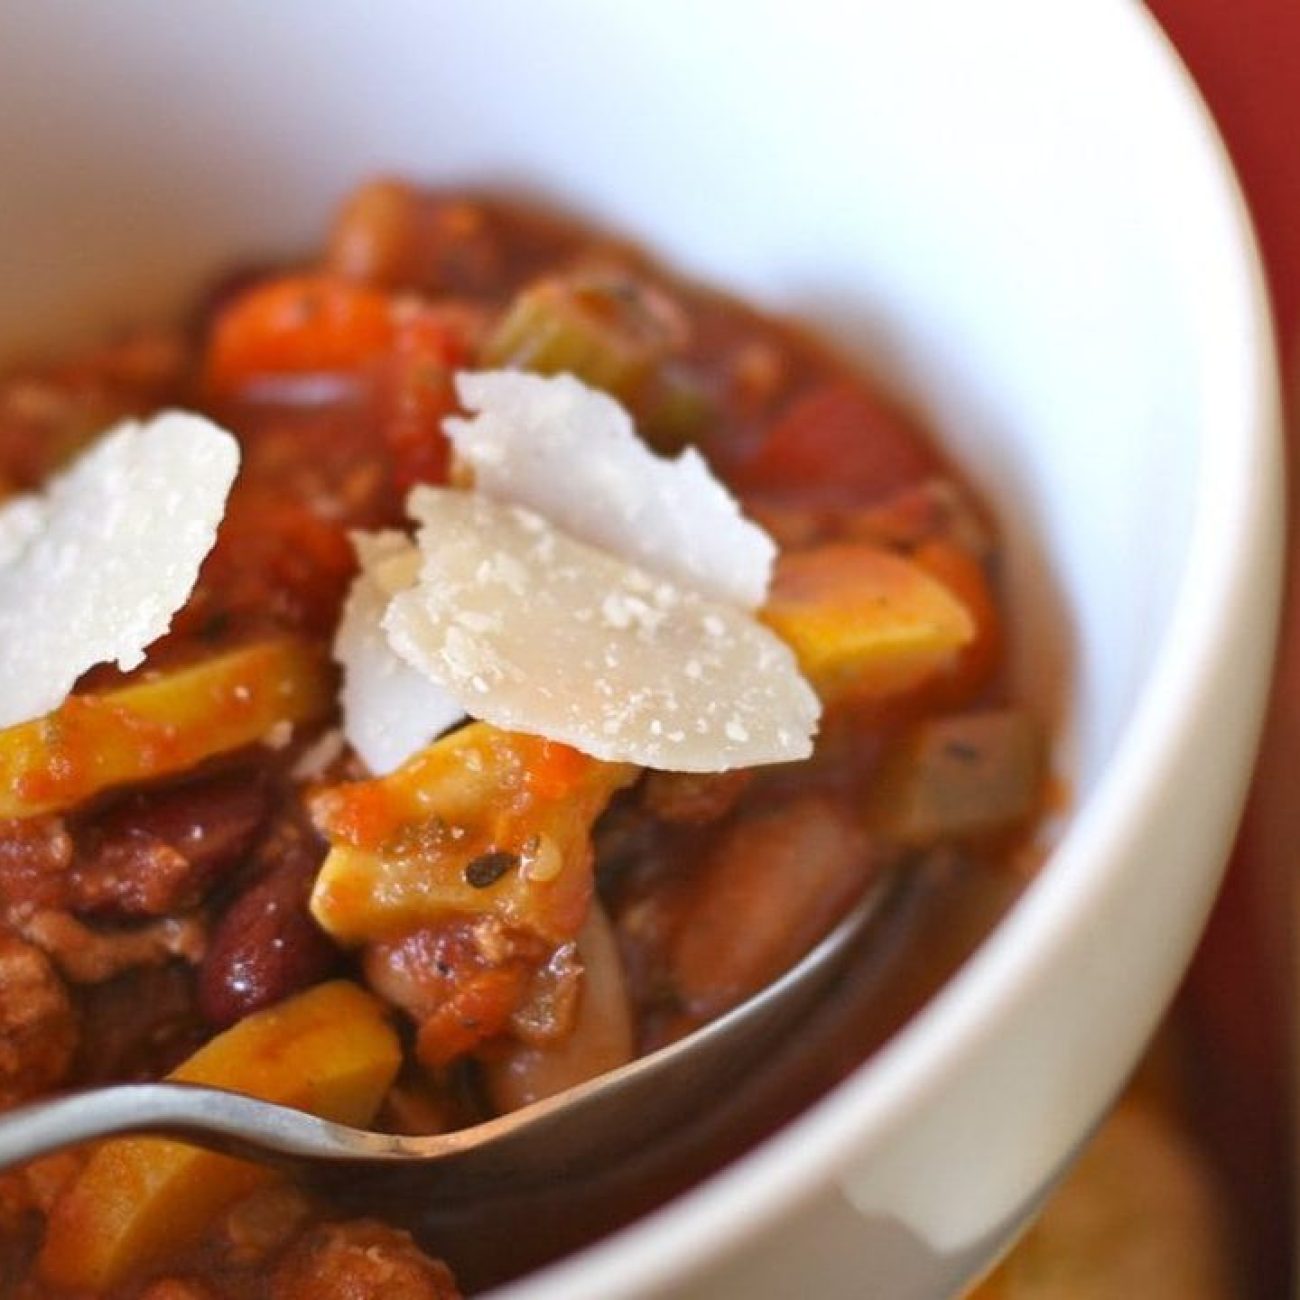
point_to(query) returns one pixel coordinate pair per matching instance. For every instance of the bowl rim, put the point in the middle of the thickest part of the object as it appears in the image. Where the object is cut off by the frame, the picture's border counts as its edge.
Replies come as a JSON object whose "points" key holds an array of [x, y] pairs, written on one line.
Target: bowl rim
{"points": [[1243, 465]]}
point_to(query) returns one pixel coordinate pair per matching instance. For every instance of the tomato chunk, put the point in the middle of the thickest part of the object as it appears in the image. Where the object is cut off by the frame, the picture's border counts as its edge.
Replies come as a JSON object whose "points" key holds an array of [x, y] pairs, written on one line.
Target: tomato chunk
{"points": [[839, 445]]}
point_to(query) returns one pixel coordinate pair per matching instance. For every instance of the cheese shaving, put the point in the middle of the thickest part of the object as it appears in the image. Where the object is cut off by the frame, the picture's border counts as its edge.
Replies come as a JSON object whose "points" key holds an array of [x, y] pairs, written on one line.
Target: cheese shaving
{"points": [[389, 709], [93, 568], [534, 631], [572, 454]]}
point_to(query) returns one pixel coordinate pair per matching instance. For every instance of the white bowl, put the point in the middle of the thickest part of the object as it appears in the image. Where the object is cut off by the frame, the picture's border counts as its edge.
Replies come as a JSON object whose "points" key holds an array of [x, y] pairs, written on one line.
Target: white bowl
{"points": [[1024, 211]]}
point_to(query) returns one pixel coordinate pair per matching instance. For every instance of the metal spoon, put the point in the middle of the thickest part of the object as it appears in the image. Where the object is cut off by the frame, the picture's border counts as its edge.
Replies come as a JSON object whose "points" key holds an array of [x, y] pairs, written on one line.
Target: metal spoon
{"points": [[558, 1132]]}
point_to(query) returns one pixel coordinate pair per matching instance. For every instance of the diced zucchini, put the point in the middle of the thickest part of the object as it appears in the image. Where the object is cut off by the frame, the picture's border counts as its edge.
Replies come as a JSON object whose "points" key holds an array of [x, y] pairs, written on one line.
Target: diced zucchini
{"points": [[161, 726], [863, 621], [330, 1051]]}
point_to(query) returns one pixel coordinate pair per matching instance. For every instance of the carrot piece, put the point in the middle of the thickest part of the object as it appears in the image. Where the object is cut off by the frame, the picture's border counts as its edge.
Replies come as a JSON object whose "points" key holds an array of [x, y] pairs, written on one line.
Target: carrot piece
{"points": [[557, 770], [297, 325]]}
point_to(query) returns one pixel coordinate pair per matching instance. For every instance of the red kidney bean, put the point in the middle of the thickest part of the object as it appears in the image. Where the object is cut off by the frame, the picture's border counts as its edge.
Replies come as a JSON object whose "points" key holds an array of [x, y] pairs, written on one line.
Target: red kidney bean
{"points": [[266, 945]]}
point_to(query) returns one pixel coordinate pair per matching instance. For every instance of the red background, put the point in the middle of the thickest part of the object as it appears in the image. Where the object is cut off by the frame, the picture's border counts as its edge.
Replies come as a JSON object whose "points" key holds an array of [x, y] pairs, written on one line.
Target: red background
{"points": [[1245, 55]]}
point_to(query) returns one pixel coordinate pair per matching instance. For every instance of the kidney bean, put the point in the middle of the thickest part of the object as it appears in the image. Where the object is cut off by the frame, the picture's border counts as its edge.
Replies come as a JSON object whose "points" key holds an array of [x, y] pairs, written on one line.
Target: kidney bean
{"points": [[138, 1026], [267, 946]]}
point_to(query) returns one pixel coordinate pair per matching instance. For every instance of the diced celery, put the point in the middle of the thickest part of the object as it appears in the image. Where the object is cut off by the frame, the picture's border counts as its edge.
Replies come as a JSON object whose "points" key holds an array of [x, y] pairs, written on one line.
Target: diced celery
{"points": [[677, 413], [959, 776], [609, 330]]}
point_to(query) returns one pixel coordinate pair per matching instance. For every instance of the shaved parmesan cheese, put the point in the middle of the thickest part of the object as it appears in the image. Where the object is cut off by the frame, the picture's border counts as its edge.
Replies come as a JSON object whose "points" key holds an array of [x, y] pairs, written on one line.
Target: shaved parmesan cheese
{"points": [[93, 568], [572, 454], [21, 520], [534, 631], [389, 709]]}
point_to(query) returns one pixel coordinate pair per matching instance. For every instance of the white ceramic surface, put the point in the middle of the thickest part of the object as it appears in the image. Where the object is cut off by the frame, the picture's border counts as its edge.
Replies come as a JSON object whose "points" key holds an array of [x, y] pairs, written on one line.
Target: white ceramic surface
{"points": [[1023, 211]]}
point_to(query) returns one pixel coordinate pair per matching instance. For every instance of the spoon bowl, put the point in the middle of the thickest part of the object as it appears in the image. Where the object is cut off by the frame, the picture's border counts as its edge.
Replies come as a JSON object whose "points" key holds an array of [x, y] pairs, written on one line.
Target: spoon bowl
{"points": [[571, 1126]]}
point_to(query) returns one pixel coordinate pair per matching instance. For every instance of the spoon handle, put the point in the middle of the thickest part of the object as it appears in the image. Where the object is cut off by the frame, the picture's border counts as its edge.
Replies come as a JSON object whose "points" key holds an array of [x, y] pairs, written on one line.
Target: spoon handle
{"points": [[211, 1117]]}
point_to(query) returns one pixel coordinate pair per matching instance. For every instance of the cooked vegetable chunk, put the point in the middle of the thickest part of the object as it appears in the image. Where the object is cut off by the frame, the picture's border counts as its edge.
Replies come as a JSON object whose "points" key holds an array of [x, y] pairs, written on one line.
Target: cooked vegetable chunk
{"points": [[608, 329], [603, 1035], [156, 727], [965, 775], [298, 325], [772, 885], [330, 1051], [863, 621]]}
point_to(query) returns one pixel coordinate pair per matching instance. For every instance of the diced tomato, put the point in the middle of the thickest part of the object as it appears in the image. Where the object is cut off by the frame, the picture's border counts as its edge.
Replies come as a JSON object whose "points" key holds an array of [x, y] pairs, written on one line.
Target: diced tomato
{"points": [[280, 558], [404, 349], [557, 770], [415, 389], [479, 1007], [838, 445], [964, 576]]}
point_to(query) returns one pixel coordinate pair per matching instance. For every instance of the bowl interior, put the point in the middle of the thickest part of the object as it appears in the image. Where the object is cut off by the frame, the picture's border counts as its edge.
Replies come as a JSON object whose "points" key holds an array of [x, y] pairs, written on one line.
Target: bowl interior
{"points": [[1011, 279], [939, 188], [976, 247]]}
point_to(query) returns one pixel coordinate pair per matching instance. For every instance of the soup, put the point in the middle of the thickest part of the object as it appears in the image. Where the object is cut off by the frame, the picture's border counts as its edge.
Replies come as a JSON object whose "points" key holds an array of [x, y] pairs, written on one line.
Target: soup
{"points": [[558, 813]]}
